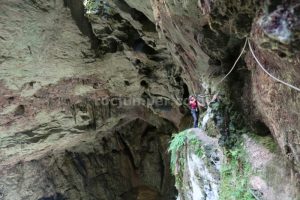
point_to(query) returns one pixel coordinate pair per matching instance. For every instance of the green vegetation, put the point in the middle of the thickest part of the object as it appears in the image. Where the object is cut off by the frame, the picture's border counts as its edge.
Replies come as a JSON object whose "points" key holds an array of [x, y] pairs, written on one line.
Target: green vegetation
{"points": [[235, 174], [92, 5], [266, 141], [236, 171], [102, 8], [179, 153], [196, 145]]}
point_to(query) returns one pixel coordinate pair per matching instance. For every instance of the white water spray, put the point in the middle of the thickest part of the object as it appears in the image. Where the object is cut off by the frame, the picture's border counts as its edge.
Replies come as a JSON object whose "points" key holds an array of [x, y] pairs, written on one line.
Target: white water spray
{"points": [[201, 173], [206, 118]]}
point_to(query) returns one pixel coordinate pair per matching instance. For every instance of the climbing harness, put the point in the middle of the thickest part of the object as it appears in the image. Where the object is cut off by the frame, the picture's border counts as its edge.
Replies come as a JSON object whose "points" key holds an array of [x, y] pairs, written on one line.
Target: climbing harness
{"points": [[261, 66]]}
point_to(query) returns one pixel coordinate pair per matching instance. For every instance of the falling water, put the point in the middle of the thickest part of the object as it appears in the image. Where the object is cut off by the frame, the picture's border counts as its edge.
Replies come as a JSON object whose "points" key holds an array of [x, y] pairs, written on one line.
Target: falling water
{"points": [[201, 172], [206, 118]]}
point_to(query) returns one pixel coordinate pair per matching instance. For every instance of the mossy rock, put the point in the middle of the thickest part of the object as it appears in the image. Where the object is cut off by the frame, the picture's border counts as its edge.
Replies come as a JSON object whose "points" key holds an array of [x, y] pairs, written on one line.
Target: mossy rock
{"points": [[211, 129]]}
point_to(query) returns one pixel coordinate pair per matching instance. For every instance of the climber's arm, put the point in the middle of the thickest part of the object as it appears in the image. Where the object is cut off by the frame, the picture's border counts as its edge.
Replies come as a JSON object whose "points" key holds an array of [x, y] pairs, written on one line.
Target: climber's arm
{"points": [[200, 104]]}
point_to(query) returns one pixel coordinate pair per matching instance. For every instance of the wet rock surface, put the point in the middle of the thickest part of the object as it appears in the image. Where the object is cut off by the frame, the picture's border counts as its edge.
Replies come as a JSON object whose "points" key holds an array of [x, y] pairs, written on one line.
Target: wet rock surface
{"points": [[199, 168]]}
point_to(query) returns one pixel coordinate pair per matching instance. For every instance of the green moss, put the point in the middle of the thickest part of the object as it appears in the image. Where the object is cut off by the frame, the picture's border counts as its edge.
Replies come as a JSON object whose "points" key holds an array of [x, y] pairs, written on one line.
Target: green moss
{"points": [[212, 130], [266, 141]]}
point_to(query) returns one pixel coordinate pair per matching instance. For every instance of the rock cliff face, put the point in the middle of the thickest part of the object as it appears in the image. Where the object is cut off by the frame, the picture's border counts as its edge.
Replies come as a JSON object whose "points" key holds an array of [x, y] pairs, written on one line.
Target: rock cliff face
{"points": [[86, 108], [206, 38], [88, 101]]}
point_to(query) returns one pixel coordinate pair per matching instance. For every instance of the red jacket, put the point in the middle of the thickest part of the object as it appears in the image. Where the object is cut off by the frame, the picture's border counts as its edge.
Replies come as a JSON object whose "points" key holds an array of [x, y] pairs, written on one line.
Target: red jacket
{"points": [[193, 104]]}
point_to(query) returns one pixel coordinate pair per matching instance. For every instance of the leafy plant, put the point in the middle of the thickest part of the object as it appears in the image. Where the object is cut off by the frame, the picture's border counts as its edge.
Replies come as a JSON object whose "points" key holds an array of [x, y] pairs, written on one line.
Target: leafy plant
{"points": [[215, 106], [91, 5], [178, 153], [197, 146], [235, 175], [176, 144]]}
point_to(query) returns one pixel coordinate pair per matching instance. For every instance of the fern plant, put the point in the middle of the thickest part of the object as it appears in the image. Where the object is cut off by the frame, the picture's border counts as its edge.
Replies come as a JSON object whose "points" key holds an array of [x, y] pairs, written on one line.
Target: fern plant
{"points": [[235, 175], [177, 143]]}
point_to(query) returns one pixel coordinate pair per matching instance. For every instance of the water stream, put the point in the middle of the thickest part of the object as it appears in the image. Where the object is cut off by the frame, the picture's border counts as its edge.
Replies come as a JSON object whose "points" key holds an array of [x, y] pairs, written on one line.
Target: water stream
{"points": [[208, 115], [202, 183]]}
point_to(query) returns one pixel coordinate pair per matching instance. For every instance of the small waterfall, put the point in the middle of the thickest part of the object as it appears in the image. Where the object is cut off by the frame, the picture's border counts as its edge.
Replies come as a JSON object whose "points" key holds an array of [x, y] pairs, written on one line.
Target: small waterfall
{"points": [[201, 171], [206, 118], [205, 188]]}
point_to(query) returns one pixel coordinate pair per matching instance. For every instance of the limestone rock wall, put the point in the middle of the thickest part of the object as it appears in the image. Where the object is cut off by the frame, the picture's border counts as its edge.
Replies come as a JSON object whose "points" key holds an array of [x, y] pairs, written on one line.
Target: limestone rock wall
{"points": [[206, 37], [87, 103]]}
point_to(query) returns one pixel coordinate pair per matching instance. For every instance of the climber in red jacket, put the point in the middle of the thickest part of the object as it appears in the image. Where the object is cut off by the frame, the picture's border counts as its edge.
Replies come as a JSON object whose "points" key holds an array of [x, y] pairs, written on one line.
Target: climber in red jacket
{"points": [[193, 104]]}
